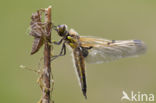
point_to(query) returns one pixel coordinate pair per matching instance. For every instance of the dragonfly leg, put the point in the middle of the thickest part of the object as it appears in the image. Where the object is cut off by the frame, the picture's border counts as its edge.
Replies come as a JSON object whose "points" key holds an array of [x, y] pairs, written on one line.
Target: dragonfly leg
{"points": [[62, 53], [59, 42]]}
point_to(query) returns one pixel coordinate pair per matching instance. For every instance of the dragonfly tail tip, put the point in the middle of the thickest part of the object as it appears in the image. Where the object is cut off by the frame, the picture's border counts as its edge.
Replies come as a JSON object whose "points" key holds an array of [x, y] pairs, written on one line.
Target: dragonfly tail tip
{"points": [[85, 95]]}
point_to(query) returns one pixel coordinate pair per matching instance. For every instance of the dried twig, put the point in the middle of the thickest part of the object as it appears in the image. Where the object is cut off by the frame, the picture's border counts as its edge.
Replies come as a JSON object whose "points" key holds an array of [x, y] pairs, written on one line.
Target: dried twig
{"points": [[47, 51], [42, 35]]}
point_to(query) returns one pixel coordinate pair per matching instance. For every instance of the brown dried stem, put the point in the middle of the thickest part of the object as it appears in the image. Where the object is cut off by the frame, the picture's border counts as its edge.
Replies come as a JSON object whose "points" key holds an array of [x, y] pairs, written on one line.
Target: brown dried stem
{"points": [[42, 35], [47, 55]]}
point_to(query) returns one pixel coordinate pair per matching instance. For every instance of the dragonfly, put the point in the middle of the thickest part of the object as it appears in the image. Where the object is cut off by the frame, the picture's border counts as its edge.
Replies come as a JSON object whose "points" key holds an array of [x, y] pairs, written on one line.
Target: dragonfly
{"points": [[94, 50]]}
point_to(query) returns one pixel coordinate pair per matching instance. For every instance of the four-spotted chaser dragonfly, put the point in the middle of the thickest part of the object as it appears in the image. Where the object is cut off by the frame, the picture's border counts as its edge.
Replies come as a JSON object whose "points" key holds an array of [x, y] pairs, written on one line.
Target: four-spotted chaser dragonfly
{"points": [[94, 50]]}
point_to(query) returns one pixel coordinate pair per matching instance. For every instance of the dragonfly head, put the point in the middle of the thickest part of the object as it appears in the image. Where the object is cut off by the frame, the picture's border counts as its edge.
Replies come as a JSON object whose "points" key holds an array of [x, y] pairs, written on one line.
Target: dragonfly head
{"points": [[62, 30]]}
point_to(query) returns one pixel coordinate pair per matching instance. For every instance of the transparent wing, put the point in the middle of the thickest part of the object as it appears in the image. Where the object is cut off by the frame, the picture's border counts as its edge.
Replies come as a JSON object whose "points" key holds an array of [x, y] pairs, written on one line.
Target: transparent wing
{"points": [[104, 50]]}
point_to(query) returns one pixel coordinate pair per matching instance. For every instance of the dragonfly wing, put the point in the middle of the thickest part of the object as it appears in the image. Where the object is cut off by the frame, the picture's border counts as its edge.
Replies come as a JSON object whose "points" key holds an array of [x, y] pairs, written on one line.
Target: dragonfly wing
{"points": [[80, 69], [107, 50]]}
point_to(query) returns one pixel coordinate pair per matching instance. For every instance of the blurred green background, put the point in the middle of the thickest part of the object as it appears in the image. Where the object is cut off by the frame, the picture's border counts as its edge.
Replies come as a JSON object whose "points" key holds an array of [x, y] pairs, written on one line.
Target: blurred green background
{"points": [[111, 19]]}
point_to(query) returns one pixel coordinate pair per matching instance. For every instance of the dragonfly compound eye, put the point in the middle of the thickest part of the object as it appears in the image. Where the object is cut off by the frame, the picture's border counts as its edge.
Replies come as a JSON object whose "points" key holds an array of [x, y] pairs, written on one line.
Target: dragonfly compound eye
{"points": [[62, 29]]}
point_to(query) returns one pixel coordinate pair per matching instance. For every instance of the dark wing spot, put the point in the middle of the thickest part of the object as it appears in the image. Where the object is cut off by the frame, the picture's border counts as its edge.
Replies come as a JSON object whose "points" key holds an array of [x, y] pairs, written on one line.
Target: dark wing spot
{"points": [[137, 41], [113, 41], [85, 51]]}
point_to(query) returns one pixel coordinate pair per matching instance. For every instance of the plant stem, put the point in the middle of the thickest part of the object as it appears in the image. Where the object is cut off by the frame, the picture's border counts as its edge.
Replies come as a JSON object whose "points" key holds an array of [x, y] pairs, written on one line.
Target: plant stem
{"points": [[47, 63]]}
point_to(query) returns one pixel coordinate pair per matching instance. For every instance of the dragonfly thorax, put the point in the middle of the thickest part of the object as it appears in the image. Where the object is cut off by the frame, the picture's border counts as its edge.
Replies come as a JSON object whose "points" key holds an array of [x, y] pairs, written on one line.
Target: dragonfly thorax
{"points": [[72, 41]]}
